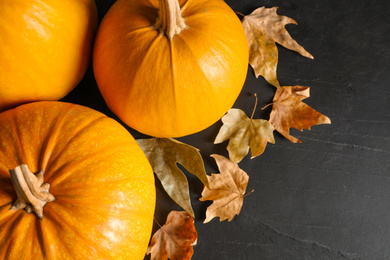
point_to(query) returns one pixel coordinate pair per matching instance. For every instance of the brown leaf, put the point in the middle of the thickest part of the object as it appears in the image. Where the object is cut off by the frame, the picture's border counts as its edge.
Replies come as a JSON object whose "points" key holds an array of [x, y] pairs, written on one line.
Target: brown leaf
{"points": [[226, 190], [288, 111], [163, 154], [244, 133], [175, 239], [263, 28]]}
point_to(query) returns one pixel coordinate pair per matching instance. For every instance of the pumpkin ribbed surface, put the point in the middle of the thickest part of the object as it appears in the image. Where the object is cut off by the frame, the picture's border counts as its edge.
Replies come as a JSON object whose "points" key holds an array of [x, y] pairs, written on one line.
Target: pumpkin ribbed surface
{"points": [[102, 183], [170, 87]]}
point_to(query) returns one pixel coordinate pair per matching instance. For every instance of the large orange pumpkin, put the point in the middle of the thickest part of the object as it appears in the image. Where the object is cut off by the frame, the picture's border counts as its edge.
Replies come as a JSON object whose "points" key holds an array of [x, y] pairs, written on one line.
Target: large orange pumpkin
{"points": [[45, 48], [170, 68], [93, 197]]}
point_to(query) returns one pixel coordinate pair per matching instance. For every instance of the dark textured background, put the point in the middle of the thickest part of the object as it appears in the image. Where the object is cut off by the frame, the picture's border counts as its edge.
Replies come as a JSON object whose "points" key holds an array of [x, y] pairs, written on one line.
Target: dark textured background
{"points": [[327, 198]]}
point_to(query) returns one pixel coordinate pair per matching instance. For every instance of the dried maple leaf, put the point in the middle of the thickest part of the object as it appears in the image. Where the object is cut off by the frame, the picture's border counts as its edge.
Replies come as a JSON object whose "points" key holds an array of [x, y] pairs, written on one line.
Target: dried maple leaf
{"points": [[244, 133], [163, 154], [263, 28], [288, 111], [175, 239], [226, 190]]}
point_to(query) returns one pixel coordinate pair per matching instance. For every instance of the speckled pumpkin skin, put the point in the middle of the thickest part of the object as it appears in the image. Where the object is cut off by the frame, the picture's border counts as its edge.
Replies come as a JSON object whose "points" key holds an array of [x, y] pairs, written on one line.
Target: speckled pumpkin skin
{"points": [[102, 182], [45, 48]]}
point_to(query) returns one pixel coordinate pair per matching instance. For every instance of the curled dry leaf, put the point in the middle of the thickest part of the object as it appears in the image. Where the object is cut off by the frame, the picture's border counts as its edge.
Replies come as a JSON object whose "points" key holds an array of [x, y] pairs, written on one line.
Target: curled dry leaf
{"points": [[226, 190], [175, 239], [163, 154], [263, 28], [288, 111]]}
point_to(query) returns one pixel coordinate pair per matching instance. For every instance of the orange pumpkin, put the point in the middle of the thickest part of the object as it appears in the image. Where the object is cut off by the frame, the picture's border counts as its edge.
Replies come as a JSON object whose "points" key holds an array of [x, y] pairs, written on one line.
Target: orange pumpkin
{"points": [[93, 197], [45, 48], [170, 68]]}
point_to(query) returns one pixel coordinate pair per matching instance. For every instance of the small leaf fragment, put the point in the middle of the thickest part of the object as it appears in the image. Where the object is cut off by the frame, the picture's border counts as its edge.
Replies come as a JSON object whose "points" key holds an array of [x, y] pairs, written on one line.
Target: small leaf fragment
{"points": [[163, 154], [263, 28], [244, 133], [226, 190], [175, 239], [288, 111]]}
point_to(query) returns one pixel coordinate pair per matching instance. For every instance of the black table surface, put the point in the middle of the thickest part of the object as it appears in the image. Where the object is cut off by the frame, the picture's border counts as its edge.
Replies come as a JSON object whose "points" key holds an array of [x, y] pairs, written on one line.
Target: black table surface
{"points": [[328, 197]]}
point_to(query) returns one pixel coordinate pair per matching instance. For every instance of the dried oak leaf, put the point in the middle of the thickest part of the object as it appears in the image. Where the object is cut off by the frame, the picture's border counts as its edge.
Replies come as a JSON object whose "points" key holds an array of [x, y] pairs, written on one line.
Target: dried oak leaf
{"points": [[288, 111], [244, 133], [175, 239], [226, 190], [263, 28], [163, 155]]}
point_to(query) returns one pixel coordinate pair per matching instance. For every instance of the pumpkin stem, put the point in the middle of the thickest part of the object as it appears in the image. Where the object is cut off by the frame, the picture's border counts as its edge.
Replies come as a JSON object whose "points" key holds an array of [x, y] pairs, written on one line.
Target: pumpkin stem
{"points": [[32, 192], [169, 21]]}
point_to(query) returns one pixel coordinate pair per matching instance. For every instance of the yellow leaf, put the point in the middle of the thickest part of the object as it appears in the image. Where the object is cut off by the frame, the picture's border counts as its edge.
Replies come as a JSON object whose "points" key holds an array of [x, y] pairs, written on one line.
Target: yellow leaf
{"points": [[263, 28], [244, 133]]}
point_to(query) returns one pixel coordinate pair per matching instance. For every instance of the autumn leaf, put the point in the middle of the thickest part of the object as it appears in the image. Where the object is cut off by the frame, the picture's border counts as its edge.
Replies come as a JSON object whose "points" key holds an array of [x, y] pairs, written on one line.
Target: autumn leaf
{"points": [[175, 239], [263, 28], [163, 155], [226, 190], [244, 133], [288, 111]]}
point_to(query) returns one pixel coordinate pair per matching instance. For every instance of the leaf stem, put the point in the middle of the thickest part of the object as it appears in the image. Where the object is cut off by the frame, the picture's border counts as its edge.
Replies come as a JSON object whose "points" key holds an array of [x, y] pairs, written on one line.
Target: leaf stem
{"points": [[254, 108], [249, 192], [240, 14], [267, 106], [157, 222]]}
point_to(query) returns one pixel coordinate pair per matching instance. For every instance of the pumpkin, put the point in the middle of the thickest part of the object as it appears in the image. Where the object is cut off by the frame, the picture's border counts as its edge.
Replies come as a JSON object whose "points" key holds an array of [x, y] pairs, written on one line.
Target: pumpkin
{"points": [[170, 68], [74, 184], [45, 48]]}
